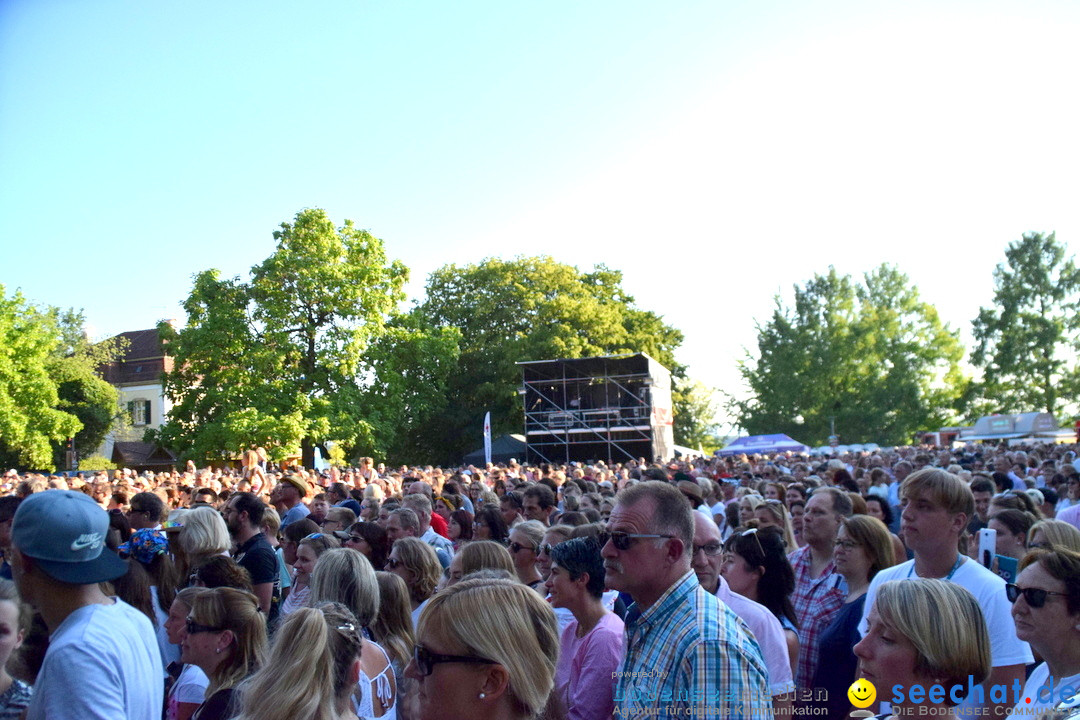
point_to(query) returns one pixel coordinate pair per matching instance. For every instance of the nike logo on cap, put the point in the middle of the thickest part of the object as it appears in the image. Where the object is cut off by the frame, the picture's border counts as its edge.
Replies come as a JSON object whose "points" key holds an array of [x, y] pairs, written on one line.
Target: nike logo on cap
{"points": [[87, 540]]}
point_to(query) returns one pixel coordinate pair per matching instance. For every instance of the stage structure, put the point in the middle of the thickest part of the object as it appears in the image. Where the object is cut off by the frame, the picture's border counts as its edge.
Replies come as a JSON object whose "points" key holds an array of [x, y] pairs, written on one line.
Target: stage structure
{"points": [[613, 408]]}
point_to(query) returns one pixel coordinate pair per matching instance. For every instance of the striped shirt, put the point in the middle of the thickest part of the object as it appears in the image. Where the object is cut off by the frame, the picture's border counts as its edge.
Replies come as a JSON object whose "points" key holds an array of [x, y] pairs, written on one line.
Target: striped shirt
{"points": [[689, 655]]}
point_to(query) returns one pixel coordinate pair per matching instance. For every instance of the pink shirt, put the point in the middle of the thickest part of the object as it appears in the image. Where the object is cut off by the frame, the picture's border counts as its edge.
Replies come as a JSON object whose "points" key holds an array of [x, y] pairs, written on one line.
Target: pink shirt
{"points": [[585, 675], [1070, 515], [768, 633]]}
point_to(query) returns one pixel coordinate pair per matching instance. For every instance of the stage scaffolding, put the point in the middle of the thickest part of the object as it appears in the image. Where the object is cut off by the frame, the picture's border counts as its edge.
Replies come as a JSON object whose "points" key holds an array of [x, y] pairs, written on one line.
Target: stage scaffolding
{"points": [[613, 408]]}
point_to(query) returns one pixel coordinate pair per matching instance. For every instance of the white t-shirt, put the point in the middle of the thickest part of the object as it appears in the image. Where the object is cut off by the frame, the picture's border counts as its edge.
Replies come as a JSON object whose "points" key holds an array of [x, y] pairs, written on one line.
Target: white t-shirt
{"points": [[1046, 700], [989, 591], [190, 687], [103, 662]]}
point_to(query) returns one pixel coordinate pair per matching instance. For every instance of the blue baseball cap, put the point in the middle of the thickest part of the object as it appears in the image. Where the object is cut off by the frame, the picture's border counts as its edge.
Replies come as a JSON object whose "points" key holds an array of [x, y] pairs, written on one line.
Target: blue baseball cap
{"points": [[64, 532]]}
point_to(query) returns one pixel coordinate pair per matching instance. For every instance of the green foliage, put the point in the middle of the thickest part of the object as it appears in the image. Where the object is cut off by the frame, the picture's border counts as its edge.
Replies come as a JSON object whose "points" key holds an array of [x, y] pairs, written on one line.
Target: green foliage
{"points": [[31, 420], [528, 308], [695, 410], [81, 390], [872, 355], [94, 463], [408, 389], [1026, 343], [276, 361]]}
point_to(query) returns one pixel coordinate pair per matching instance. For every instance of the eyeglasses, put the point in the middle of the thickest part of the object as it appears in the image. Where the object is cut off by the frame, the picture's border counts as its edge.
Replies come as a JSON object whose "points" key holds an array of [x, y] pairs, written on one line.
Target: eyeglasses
{"points": [[1040, 546], [624, 541], [515, 548], [314, 536], [393, 563], [193, 627], [846, 544], [710, 549], [1035, 597], [426, 660], [545, 549], [754, 533]]}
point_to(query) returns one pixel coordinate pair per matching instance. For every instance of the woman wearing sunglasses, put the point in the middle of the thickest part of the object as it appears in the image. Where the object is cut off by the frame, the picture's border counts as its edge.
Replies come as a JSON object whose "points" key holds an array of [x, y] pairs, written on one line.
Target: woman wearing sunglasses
{"points": [[525, 541], [369, 539], [1046, 610], [486, 650], [415, 562], [225, 636]]}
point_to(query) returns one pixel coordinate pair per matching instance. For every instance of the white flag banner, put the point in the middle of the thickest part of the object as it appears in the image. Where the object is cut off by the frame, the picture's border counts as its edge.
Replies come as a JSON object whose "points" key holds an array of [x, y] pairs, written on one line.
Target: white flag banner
{"points": [[487, 437]]}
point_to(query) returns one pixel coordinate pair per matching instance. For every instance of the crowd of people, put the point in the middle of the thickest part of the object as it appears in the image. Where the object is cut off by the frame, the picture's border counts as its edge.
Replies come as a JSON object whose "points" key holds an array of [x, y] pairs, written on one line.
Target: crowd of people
{"points": [[737, 587]]}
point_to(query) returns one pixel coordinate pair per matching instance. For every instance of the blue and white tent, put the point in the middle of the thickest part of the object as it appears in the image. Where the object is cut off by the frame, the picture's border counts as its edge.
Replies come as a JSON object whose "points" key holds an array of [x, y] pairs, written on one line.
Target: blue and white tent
{"points": [[763, 445]]}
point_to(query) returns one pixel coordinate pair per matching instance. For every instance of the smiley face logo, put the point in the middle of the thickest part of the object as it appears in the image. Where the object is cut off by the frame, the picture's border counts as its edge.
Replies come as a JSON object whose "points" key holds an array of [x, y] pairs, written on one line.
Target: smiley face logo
{"points": [[862, 693]]}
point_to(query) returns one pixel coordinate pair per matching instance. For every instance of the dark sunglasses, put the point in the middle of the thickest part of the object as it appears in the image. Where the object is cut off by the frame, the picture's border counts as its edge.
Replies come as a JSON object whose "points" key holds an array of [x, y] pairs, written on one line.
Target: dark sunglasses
{"points": [[624, 541], [1035, 597], [545, 549], [193, 627], [427, 660], [517, 547]]}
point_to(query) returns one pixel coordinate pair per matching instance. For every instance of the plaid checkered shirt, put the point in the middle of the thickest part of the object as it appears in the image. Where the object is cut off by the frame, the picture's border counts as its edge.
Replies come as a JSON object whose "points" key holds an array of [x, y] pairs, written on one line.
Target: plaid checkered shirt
{"points": [[689, 650]]}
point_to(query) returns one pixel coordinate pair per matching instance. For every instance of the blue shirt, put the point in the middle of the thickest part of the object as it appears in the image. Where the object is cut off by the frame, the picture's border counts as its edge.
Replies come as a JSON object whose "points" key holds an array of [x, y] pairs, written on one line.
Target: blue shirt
{"points": [[689, 650]]}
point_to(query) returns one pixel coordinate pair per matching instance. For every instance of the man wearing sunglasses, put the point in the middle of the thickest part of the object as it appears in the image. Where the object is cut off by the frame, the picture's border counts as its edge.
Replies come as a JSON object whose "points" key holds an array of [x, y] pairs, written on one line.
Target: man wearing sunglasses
{"points": [[937, 506], [687, 654]]}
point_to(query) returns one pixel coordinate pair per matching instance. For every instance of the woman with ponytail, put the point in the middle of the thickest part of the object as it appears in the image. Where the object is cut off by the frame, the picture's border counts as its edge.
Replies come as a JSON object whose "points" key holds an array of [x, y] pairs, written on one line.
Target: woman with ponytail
{"points": [[312, 671]]}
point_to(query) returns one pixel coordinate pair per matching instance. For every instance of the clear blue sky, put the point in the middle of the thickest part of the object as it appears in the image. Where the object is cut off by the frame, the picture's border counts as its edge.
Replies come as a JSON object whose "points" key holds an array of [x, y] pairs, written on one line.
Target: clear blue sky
{"points": [[716, 152]]}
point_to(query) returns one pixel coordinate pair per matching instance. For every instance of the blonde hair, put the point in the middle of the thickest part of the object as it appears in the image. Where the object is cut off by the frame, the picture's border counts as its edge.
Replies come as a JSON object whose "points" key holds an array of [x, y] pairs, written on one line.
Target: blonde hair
{"points": [[419, 558], [505, 622], [1060, 534], [533, 530], [236, 611], [941, 488], [393, 628], [783, 520], [485, 555], [944, 623], [307, 673], [346, 576], [319, 543], [271, 520], [875, 538], [204, 535]]}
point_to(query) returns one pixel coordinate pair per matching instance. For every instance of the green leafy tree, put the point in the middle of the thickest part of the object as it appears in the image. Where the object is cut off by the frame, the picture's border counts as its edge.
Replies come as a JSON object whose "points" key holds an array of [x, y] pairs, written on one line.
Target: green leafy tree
{"points": [[75, 366], [277, 360], [527, 308], [695, 413], [1026, 343], [873, 357], [31, 421]]}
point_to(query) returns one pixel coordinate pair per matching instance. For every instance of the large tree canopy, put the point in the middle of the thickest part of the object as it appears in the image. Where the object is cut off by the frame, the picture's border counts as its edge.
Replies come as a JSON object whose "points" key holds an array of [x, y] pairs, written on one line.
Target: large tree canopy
{"points": [[31, 421], [873, 356], [1026, 343], [528, 308], [277, 360]]}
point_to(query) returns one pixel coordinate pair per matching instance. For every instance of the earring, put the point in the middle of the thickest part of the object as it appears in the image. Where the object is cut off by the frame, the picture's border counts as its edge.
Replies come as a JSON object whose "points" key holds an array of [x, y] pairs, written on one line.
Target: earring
{"points": [[218, 651], [483, 695]]}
